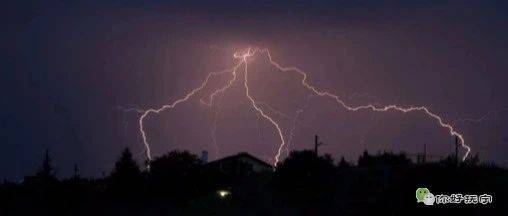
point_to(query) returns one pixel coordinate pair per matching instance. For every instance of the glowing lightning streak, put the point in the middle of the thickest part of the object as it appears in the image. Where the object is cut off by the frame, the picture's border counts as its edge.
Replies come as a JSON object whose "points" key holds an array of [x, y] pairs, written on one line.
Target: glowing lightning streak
{"points": [[371, 107], [250, 52], [482, 118], [140, 111], [278, 112], [210, 103], [294, 121], [299, 111], [126, 123], [214, 128], [255, 106], [175, 103]]}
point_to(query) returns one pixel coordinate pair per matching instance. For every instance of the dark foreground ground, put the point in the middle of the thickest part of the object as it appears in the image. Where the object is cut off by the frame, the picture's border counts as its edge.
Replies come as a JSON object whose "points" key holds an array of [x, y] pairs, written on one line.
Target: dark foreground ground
{"points": [[301, 185]]}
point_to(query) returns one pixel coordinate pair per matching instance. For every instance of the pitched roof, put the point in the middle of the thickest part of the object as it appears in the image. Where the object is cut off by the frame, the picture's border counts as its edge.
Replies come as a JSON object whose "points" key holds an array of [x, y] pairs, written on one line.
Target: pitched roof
{"points": [[240, 155]]}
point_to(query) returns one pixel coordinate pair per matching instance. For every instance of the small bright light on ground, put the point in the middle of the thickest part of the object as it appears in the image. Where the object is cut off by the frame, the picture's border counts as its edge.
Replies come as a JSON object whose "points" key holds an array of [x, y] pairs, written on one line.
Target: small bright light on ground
{"points": [[223, 193]]}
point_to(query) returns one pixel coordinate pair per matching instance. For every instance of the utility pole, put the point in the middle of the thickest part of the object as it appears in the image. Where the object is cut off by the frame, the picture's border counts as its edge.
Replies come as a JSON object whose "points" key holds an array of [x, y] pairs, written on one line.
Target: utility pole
{"points": [[76, 170], [456, 150], [424, 152], [422, 157], [316, 144]]}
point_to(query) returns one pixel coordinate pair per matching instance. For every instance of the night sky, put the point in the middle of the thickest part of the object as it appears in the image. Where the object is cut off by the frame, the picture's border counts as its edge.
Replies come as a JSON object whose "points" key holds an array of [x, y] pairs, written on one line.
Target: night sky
{"points": [[67, 67]]}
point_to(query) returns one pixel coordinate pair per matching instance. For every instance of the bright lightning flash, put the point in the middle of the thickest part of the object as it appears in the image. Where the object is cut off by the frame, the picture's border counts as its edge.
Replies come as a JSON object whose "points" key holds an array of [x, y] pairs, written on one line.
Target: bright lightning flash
{"points": [[243, 59]]}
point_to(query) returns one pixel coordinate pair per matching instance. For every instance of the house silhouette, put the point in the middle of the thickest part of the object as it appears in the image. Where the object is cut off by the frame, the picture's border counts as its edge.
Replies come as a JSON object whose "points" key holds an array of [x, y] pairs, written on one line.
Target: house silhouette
{"points": [[240, 164]]}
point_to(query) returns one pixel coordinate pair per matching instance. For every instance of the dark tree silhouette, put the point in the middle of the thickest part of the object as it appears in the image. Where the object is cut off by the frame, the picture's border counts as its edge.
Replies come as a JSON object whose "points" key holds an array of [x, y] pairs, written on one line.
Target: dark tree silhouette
{"points": [[303, 184], [384, 159], [46, 171], [304, 177], [448, 161], [174, 173], [126, 174], [365, 159], [126, 166], [173, 163], [471, 161], [343, 163]]}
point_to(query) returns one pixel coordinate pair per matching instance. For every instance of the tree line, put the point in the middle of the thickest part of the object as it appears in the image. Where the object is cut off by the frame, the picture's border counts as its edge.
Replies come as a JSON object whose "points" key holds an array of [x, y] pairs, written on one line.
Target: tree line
{"points": [[303, 184]]}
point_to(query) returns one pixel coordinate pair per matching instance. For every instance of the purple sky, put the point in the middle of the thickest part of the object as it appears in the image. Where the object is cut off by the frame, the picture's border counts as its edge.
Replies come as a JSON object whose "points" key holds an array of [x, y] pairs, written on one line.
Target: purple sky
{"points": [[68, 66]]}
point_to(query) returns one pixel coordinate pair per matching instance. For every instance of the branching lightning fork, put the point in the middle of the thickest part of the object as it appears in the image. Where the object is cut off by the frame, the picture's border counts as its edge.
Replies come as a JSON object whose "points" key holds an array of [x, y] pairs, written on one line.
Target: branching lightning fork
{"points": [[370, 107], [483, 117], [244, 58]]}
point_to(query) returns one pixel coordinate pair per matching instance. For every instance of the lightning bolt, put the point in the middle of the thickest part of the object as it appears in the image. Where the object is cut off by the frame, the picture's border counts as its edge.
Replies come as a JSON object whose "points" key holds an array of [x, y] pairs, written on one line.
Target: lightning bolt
{"points": [[214, 128], [181, 100], [274, 110], [294, 122], [483, 117], [371, 107], [244, 58], [255, 105], [126, 125]]}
